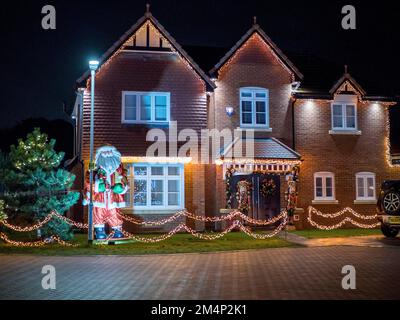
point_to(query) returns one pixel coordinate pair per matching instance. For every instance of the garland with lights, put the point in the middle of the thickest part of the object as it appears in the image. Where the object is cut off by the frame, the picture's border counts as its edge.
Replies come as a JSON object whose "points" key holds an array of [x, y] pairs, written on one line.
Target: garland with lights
{"points": [[39, 243], [181, 227], [228, 176], [312, 211]]}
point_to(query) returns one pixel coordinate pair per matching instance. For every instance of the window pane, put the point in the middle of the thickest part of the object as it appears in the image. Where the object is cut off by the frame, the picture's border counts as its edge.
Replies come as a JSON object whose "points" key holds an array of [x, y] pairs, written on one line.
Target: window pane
{"points": [[173, 185], [145, 107], [173, 171], [173, 192], [318, 187], [360, 187], [140, 193], [130, 113], [130, 107], [370, 187], [157, 192], [261, 95], [260, 118], [140, 171], [247, 118], [157, 171], [350, 116], [173, 199], [130, 100], [246, 94], [329, 189], [246, 106], [161, 108], [260, 106], [337, 116]]}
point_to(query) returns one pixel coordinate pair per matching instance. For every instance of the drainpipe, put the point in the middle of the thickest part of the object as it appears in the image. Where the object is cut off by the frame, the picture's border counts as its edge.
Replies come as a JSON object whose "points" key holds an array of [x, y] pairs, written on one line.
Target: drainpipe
{"points": [[293, 124]]}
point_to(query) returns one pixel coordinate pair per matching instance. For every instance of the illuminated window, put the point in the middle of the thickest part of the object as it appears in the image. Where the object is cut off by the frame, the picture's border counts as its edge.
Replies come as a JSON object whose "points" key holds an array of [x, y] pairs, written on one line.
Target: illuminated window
{"points": [[365, 186], [154, 186], [254, 107], [145, 107], [344, 116], [324, 186]]}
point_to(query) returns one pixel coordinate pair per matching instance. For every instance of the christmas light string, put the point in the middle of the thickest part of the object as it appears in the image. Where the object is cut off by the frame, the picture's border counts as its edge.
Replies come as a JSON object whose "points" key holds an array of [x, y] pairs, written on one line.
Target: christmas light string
{"points": [[340, 213], [39, 243], [235, 225], [312, 210], [181, 227], [183, 213]]}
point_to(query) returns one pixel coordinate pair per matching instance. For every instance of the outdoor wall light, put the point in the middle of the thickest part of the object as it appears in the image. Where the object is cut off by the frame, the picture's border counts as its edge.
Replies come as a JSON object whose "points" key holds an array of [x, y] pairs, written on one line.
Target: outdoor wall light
{"points": [[93, 65], [229, 111]]}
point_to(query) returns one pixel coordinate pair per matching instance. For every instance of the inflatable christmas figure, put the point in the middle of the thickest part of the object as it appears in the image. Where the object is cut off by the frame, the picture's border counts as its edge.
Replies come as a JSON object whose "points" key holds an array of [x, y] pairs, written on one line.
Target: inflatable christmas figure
{"points": [[110, 185]]}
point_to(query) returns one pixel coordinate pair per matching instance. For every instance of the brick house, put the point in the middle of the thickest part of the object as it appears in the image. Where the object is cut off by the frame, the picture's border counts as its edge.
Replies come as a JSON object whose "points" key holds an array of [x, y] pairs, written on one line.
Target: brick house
{"points": [[337, 136]]}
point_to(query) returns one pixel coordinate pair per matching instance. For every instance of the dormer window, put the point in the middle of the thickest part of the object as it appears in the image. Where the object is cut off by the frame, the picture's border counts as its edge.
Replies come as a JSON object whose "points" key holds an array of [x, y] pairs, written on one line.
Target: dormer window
{"points": [[344, 115], [254, 107]]}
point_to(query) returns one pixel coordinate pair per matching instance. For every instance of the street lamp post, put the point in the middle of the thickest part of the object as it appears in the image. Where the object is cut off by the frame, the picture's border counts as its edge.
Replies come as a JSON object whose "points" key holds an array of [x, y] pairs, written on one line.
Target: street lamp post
{"points": [[93, 65]]}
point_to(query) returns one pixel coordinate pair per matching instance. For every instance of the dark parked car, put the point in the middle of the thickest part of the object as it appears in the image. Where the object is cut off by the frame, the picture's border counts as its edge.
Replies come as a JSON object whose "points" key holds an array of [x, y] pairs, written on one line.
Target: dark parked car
{"points": [[389, 208]]}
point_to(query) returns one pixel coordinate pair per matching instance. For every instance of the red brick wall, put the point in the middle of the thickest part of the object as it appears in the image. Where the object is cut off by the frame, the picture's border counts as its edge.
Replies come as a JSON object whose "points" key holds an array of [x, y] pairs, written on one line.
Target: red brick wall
{"points": [[344, 155], [254, 65], [163, 72]]}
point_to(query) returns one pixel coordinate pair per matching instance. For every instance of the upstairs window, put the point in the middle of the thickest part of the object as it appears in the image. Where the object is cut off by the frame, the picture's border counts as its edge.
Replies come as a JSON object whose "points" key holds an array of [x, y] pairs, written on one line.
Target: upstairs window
{"points": [[324, 186], [145, 107], [254, 107], [365, 186], [344, 116]]}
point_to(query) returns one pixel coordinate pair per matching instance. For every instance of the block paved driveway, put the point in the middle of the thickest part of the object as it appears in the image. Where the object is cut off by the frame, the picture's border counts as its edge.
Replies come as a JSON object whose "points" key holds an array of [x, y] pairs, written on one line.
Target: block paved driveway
{"points": [[286, 273]]}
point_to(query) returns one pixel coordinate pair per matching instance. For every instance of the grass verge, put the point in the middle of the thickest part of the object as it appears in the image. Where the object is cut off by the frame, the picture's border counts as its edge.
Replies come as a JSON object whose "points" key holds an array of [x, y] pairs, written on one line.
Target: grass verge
{"points": [[338, 233], [179, 243]]}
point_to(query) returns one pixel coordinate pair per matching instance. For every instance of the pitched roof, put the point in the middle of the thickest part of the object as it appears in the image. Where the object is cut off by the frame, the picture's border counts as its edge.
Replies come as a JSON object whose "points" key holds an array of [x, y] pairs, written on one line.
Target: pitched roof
{"points": [[347, 78], [257, 29], [120, 42], [264, 148]]}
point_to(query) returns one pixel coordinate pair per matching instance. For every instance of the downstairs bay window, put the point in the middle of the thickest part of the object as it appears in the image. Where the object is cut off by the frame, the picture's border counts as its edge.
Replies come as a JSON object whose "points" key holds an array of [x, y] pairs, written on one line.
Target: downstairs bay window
{"points": [[155, 187]]}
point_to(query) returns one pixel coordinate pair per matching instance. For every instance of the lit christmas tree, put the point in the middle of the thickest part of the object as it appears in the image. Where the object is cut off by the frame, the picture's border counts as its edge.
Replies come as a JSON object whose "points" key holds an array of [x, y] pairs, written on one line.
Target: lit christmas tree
{"points": [[35, 185]]}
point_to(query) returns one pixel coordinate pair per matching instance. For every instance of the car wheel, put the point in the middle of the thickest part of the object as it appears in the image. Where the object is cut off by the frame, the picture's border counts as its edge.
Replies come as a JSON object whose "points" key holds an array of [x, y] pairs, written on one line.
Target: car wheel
{"points": [[391, 202], [388, 231]]}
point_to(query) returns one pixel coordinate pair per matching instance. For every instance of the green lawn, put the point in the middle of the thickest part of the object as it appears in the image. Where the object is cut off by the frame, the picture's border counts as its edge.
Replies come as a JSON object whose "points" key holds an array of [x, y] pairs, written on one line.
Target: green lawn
{"points": [[179, 243], [315, 234]]}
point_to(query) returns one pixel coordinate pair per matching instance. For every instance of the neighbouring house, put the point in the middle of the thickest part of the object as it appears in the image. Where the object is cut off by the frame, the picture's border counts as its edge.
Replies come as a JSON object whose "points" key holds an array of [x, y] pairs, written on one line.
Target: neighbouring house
{"points": [[332, 140]]}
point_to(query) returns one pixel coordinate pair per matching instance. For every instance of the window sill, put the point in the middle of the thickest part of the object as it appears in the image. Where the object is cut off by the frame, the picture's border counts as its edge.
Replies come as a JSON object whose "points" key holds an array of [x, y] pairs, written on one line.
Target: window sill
{"points": [[261, 129], [160, 124], [151, 211], [372, 201], [345, 132], [325, 202]]}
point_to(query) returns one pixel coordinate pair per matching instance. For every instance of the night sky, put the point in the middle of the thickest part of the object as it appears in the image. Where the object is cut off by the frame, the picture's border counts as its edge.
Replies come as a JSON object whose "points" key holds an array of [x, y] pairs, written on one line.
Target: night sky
{"points": [[39, 67]]}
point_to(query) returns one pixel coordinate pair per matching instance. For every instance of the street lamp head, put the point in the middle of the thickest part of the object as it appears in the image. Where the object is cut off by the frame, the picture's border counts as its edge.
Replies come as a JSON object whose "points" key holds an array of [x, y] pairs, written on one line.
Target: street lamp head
{"points": [[93, 65]]}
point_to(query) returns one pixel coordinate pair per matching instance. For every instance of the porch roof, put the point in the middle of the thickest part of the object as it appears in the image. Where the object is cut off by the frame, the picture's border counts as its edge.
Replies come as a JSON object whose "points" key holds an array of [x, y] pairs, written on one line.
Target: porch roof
{"points": [[264, 148]]}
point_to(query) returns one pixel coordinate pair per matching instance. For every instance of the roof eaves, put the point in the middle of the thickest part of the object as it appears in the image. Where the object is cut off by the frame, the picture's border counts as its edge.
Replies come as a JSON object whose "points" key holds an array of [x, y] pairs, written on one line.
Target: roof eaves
{"points": [[244, 38], [130, 31]]}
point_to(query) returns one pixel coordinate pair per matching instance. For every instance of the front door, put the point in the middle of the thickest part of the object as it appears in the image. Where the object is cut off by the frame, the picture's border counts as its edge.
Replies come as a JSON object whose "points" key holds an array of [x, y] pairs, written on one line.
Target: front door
{"points": [[265, 194]]}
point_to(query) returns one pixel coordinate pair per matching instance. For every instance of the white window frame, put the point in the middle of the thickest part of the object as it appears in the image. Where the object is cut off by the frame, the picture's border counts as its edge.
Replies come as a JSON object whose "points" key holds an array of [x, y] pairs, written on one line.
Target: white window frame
{"points": [[365, 176], [165, 177], [253, 99], [344, 116], [152, 97], [324, 175]]}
